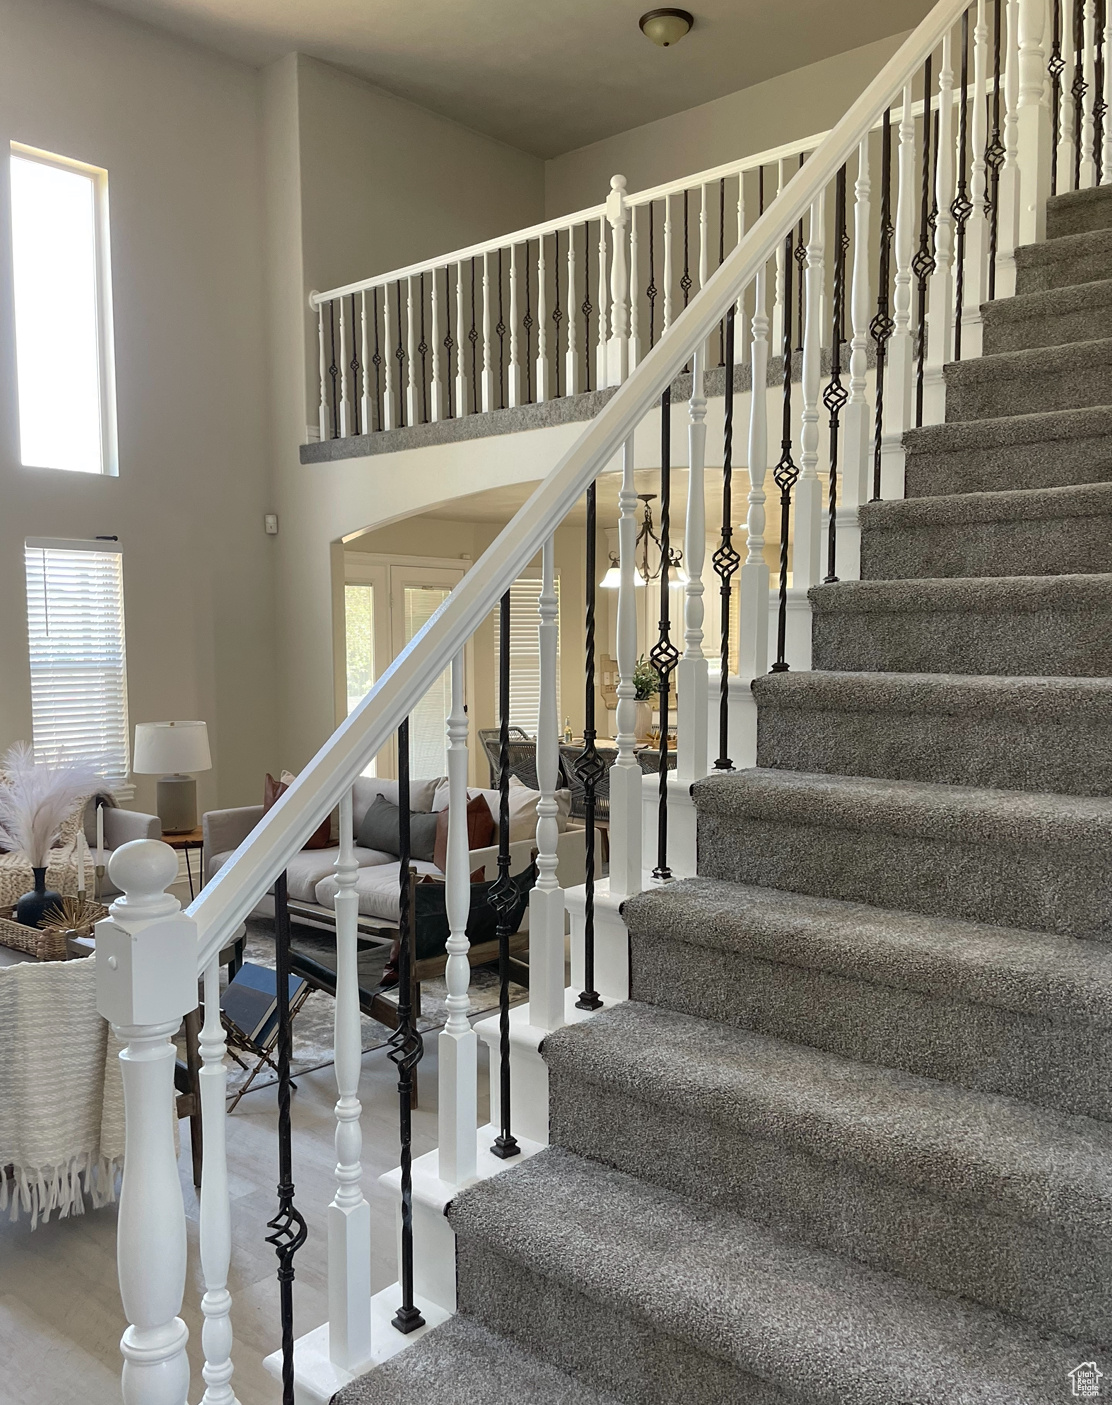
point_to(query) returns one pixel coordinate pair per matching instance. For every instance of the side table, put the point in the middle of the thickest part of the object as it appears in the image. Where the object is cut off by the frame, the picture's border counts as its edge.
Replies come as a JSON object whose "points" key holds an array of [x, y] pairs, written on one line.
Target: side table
{"points": [[191, 839]]}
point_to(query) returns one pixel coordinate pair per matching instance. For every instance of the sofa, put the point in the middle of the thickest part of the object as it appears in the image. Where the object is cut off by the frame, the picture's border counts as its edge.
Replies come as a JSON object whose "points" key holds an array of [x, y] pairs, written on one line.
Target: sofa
{"points": [[311, 877]]}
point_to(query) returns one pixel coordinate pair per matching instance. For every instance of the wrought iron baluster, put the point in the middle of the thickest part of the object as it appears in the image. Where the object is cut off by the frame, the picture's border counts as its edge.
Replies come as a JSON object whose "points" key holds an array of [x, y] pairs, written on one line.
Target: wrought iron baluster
{"points": [[1079, 87], [590, 768], [333, 370], [473, 338], [406, 1045], [1100, 107], [587, 306], [664, 655], [835, 396], [685, 278], [288, 1225], [726, 560], [1056, 66], [882, 325], [399, 356], [448, 342], [994, 153], [500, 329], [527, 323], [922, 265], [961, 207], [786, 472], [800, 261], [503, 893], [557, 311], [376, 361], [651, 290], [354, 367]]}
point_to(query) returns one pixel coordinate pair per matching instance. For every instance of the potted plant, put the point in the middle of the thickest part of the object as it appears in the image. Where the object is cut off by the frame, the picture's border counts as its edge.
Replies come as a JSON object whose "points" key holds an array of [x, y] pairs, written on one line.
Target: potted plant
{"points": [[646, 681]]}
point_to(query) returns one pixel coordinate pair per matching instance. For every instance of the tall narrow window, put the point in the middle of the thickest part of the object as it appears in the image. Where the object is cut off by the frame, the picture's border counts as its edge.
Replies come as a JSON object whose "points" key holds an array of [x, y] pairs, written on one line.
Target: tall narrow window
{"points": [[75, 627], [63, 313], [525, 663]]}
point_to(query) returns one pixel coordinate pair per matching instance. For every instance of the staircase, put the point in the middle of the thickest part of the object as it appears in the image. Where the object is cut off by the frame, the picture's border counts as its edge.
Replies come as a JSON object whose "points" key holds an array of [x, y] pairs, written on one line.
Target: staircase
{"points": [[849, 1142]]}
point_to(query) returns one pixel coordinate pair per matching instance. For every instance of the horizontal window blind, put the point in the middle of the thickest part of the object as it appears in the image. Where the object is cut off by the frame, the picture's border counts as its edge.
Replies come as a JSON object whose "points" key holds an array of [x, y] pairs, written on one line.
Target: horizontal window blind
{"points": [[525, 663], [75, 627]]}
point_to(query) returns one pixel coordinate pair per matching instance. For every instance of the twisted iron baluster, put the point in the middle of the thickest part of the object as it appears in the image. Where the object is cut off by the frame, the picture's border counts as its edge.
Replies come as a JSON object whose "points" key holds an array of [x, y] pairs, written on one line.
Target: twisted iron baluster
{"points": [[590, 768], [726, 559], [1078, 87], [1099, 106], [994, 155], [406, 1045], [882, 325], [376, 362], [800, 260], [557, 311], [333, 370], [785, 473], [664, 655], [527, 323], [399, 356], [922, 265], [288, 1224], [448, 342], [473, 338], [502, 895], [651, 290], [835, 395], [961, 207], [1056, 66], [500, 329], [685, 280], [587, 306]]}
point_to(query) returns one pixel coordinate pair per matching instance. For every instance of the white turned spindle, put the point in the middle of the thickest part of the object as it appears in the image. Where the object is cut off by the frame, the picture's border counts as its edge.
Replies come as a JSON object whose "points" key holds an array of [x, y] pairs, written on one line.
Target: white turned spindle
{"points": [[753, 622], [857, 417], [349, 1215], [634, 305], [458, 1043], [389, 406], [809, 513], [463, 406], [436, 389], [345, 418], [617, 350], [571, 361], [412, 399], [322, 411], [1066, 146], [625, 774], [513, 389], [488, 365], [146, 967], [1007, 197], [603, 308], [667, 263], [215, 1206], [1088, 172], [1106, 142], [899, 397], [778, 287], [542, 323], [742, 348], [692, 670], [975, 289], [364, 365], [940, 293], [546, 900], [704, 237]]}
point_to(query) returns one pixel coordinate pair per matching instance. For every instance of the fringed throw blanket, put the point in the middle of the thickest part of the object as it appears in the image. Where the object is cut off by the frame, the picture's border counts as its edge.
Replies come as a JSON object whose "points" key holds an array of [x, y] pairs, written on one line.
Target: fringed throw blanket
{"points": [[61, 1095]]}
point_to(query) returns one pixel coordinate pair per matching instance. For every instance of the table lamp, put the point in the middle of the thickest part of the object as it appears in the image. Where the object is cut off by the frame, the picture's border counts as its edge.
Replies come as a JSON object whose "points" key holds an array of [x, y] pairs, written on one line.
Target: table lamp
{"points": [[170, 750]]}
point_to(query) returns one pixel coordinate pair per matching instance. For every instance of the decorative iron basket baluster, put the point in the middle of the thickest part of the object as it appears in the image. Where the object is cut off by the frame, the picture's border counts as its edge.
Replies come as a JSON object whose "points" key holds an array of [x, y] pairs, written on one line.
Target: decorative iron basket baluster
{"points": [[376, 362], [503, 894], [557, 310], [590, 768], [288, 1225], [406, 1046], [994, 154], [399, 356], [800, 261], [353, 367], [726, 560], [448, 342], [882, 325], [923, 264], [651, 290], [786, 472], [333, 370], [835, 396], [587, 306], [685, 277], [664, 656], [500, 329], [961, 207], [527, 323], [1079, 87]]}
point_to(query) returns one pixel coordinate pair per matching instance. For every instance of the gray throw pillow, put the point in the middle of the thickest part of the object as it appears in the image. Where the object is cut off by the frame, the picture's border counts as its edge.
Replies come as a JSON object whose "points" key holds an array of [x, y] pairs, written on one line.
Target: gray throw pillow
{"points": [[379, 830]]}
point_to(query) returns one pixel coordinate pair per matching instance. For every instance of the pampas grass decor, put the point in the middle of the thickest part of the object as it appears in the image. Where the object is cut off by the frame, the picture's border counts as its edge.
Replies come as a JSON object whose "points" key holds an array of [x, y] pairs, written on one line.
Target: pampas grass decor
{"points": [[37, 799]]}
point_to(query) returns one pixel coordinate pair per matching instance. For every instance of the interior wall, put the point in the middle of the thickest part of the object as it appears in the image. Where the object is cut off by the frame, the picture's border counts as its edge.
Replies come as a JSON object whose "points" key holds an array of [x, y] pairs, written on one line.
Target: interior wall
{"points": [[177, 129], [791, 106]]}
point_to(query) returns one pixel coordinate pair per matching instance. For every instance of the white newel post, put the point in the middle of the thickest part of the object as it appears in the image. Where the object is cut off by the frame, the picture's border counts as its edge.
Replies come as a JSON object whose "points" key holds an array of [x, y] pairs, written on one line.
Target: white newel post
{"points": [[349, 1215], [856, 419], [215, 1208], [625, 774], [898, 390], [1035, 133], [753, 623], [692, 669], [1007, 197], [146, 955], [940, 294], [457, 1045], [617, 348], [546, 901], [809, 511]]}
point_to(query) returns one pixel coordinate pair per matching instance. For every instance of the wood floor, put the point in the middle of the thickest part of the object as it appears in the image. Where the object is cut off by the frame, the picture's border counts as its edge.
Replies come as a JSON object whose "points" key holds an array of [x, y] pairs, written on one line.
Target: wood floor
{"points": [[60, 1315]]}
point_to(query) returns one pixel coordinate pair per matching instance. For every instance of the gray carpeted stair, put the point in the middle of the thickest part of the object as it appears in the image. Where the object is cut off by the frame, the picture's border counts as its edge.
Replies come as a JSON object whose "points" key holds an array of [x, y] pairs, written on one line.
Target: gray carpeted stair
{"points": [[993, 732], [1064, 262], [1054, 318], [1079, 212], [1027, 382]]}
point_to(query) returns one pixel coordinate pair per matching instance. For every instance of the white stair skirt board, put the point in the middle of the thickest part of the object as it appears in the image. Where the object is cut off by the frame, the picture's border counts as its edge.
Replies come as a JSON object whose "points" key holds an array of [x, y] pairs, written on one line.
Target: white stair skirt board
{"points": [[528, 1071], [611, 942], [892, 466], [737, 692], [797, 643], [681, 826], [434, 1242], [847, 562]]}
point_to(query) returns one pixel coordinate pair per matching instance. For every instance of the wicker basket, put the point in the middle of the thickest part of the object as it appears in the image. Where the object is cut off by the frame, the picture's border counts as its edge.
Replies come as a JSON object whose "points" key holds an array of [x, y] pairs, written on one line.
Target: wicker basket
{"points": [[42, 945]]}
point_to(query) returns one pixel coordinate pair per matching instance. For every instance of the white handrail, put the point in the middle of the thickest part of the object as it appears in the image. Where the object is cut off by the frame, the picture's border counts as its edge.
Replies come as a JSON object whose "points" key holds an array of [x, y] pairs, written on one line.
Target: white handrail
{"points": [[227, 900]]}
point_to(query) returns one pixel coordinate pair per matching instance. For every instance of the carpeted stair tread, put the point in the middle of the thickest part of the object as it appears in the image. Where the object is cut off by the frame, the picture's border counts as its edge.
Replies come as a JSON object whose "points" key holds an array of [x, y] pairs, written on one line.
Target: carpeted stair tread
{"points": [[1079, 211], [462, 1363], [990, 731], [1003, 505], [1064, 261], [1050, 448], [998, 1153], [1056, 317], [1020, 382], [1035, 973], [820, 1328]]}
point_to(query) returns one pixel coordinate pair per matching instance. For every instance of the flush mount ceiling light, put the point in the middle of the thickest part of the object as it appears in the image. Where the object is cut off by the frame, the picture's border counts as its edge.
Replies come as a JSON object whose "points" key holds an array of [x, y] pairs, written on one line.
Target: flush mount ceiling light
{"points": [[665, 27]]}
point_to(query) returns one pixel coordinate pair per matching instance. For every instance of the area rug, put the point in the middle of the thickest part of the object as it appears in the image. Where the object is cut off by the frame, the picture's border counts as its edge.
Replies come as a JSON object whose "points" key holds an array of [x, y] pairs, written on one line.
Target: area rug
{"points": [[313, 1027]]}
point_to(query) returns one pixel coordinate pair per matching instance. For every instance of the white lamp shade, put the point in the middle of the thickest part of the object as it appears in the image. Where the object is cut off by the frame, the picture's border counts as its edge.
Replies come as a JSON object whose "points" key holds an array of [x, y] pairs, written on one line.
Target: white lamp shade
{"points": [[171, 748]]}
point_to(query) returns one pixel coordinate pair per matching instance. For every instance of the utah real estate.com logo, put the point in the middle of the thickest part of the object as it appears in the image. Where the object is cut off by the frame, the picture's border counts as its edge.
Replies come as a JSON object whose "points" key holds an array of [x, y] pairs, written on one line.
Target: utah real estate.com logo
{"points": [[1085, 1381]]}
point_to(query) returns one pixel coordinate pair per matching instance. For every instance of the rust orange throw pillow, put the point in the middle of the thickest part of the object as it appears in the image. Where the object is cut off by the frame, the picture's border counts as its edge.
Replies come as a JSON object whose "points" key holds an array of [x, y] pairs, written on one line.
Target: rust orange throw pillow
{"points": [[321, 837], [480, 830]]}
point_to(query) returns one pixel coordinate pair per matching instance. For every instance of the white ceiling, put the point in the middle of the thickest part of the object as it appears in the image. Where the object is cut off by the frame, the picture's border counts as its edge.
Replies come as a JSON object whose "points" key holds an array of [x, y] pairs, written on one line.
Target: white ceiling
{"points": [[546, 76]]}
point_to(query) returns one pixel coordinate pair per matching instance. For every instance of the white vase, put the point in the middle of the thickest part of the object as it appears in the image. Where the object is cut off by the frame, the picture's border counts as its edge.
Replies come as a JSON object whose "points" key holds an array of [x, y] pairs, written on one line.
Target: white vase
{"points": [[644, 720]]}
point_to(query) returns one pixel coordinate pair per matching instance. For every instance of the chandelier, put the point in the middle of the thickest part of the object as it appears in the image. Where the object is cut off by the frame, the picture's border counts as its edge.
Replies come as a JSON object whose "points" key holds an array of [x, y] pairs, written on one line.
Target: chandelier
{"points": [[644, 573]]}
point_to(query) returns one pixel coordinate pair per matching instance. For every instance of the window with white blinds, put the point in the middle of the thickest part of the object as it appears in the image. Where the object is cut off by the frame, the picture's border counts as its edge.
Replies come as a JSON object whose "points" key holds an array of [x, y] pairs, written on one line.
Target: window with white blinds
{"points": [[75, 628], [525, 663]]}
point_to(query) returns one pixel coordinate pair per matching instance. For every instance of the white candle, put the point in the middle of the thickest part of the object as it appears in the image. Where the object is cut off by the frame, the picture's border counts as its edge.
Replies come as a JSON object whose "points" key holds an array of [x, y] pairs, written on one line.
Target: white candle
{"points": [[82, 858], [100, 836]]}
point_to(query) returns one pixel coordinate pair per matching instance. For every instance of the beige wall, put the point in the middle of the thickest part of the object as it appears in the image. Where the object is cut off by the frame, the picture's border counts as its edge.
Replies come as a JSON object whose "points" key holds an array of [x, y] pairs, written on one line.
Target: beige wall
{"points": [[177, 129], [794, 105]]}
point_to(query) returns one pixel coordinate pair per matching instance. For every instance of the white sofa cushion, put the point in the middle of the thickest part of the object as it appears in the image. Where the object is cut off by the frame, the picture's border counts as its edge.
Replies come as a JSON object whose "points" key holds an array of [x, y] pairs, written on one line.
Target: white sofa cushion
{"points": [[523, 806], [376, 887], [307, 867]]}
